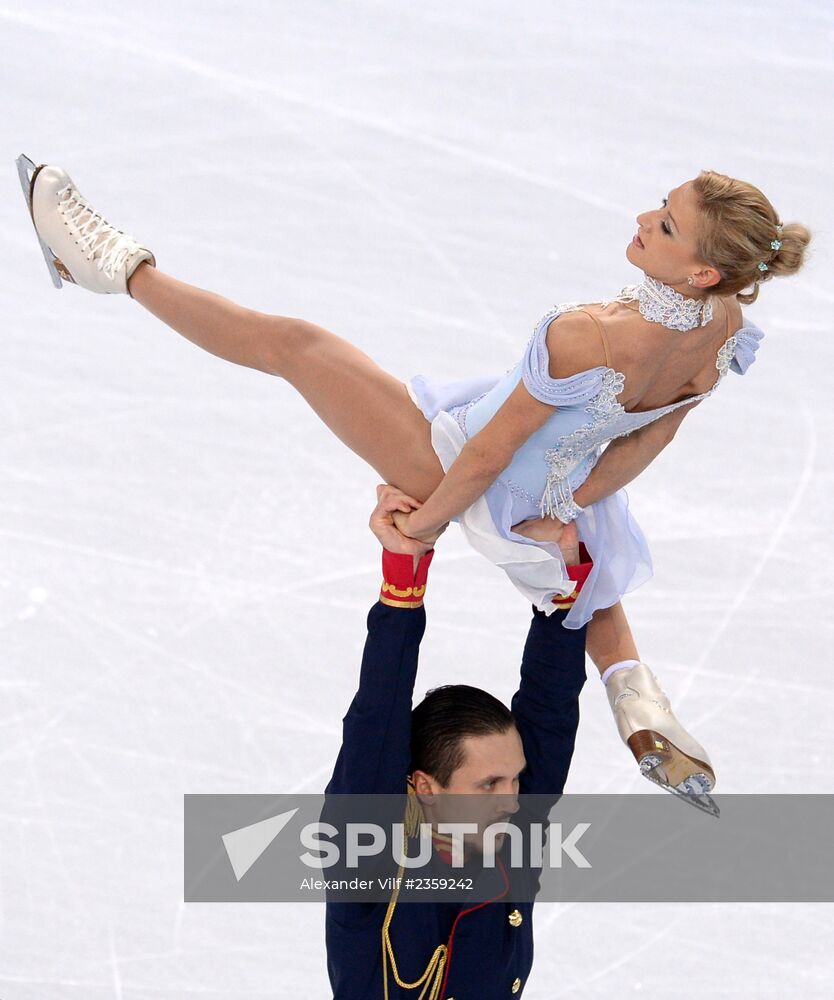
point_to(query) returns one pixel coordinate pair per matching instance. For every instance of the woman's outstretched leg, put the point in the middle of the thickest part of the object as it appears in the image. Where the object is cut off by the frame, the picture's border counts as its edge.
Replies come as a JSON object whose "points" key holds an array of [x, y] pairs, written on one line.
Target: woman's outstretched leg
{"points": [[363, 405], [368, 409]]}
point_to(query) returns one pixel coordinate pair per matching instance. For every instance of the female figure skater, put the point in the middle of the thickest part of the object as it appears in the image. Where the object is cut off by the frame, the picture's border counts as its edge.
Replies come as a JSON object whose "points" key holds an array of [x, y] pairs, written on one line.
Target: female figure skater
{"points": [[499, 453]]}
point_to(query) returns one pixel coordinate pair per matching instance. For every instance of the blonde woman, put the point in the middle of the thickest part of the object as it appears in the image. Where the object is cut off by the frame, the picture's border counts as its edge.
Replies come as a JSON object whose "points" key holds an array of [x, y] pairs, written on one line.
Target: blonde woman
{"points": [[515, 457]]}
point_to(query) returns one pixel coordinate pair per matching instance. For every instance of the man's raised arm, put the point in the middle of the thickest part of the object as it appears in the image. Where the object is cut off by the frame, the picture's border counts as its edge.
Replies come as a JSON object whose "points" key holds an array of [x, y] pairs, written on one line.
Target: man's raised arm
{"points": [[546, 705], [376, 731]]}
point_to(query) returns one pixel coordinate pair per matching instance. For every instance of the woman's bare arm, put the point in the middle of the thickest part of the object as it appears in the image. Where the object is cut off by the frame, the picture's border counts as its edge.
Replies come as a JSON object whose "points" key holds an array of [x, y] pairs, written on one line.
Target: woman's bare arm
{"points": [[480, 462], [490, 451]]}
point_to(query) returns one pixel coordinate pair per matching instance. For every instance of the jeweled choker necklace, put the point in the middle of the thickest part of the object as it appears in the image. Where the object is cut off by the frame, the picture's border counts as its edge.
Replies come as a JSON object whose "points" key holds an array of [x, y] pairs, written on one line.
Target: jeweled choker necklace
{"points": [[660, 303]]}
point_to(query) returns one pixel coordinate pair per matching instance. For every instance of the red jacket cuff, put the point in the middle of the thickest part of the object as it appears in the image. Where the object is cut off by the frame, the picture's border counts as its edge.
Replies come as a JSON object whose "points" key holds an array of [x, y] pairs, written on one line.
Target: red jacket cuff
{"points": [[402, 587], [579, 574]]}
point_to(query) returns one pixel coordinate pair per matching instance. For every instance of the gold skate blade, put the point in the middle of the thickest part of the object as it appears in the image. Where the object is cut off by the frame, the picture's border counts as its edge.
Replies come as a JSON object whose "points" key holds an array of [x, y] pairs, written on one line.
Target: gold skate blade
{"points": [[27, 172], [705, 802]]}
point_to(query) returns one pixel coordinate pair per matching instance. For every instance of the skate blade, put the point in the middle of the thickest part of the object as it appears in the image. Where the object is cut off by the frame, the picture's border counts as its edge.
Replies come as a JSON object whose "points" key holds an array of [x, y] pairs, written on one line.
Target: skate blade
{"points": [[703, 801], [27, 171]]}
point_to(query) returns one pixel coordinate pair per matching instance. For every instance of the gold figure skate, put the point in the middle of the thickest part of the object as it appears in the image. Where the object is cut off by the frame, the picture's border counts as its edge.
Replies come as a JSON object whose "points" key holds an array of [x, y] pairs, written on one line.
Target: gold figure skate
{"points": [[663, 749]]}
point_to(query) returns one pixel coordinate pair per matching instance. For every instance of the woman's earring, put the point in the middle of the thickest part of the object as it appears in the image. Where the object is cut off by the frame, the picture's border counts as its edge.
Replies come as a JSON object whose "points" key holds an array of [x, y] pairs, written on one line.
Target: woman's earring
{"points": [[691, 281]]}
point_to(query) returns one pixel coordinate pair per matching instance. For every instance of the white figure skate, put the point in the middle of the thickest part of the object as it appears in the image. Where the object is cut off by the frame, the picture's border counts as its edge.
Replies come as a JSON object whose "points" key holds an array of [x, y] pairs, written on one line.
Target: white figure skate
{"points": [[78, 243], [664, 750]]}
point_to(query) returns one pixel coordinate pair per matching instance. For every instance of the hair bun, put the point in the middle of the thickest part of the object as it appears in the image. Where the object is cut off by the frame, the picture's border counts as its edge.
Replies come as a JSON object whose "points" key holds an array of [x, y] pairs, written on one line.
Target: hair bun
{"points": [[737, 236]]}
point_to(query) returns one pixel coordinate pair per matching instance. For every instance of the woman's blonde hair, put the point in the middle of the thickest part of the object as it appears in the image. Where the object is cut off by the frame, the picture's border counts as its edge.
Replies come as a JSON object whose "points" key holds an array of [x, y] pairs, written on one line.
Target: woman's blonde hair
{"points": [[738, 225]]}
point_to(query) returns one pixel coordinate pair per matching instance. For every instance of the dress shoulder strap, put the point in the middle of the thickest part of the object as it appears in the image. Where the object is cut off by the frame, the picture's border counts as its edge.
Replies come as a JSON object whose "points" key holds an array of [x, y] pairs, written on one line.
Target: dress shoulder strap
{"points": [[603, 335]]}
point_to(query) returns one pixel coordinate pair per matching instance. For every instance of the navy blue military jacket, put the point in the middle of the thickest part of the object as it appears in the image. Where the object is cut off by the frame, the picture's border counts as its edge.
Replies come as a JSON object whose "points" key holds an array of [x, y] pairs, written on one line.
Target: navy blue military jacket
{"points": [[490, 945]]}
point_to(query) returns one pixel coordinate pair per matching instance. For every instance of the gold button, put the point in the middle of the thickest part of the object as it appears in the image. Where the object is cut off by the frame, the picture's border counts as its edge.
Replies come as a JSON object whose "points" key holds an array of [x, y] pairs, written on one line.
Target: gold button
{"points": [[516, 985], [515, 918]]}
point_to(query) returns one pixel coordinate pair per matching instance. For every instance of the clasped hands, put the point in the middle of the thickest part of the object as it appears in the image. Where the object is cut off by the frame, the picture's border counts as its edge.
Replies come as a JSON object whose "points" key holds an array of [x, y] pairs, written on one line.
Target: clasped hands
{"points": [[390, 523]]}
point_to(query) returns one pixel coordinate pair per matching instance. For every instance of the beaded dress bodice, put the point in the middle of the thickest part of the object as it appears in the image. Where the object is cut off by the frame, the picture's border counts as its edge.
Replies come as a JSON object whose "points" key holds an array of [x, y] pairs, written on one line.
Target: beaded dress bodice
{"points": [[560, 455], [610, 420]]}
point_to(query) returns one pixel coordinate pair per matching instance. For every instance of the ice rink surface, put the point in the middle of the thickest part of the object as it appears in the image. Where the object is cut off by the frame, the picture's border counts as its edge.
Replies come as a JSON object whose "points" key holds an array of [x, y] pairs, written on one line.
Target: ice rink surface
{"points": [[186, 565]]}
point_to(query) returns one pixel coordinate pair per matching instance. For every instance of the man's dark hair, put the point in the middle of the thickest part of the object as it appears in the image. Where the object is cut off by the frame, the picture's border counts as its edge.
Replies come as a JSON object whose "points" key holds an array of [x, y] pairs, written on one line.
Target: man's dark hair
{"points": [[444, 718]]}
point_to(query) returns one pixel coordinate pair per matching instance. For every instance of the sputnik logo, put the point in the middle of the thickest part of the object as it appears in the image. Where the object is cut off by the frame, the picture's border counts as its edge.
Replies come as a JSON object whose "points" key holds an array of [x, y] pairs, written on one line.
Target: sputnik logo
{"points": [[246, 845]]}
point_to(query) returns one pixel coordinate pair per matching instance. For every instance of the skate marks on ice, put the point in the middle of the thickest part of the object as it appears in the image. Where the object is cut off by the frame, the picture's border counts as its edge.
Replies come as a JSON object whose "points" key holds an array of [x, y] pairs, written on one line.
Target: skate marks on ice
{"points": [[240, 84], [789, 512]]}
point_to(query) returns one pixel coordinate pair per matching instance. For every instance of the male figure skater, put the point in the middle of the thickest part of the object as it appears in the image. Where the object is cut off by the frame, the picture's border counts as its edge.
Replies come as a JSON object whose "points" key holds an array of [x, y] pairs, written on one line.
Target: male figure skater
{"points": [[458, 740]]}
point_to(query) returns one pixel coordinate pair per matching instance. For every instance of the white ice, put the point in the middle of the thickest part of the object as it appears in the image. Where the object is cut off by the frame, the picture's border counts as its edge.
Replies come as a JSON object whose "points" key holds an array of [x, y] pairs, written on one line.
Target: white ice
{"points": [[186, 566]]}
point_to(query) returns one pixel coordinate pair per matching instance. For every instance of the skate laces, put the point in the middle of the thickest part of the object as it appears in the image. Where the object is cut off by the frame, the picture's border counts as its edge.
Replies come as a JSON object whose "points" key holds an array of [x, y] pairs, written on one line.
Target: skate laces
{"points": [[97, 235]]}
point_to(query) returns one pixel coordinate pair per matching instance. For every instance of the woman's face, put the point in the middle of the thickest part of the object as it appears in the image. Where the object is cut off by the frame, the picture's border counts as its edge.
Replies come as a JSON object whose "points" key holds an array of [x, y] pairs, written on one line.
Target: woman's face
{"points": [[667, 248]]}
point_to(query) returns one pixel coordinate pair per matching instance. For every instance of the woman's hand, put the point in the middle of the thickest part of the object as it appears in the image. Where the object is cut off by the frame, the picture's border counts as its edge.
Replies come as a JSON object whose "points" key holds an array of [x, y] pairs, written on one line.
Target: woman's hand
{"points": [[392, 502], [551, 529], [403, 525]]}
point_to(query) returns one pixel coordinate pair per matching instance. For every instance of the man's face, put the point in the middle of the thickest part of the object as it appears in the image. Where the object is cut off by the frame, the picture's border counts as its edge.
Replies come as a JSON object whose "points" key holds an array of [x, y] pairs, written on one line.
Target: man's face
{"points": [[483, 790]]}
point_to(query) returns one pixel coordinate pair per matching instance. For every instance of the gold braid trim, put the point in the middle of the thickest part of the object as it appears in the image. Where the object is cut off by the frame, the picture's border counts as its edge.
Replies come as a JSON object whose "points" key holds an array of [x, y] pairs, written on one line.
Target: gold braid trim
{"points": [[389, 588], [432, 978], [400, 604]]}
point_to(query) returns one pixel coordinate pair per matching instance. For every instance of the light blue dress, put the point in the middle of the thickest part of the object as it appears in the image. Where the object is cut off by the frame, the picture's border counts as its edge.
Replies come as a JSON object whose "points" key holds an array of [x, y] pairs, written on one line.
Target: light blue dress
{"points": [[556, 460]]}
